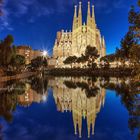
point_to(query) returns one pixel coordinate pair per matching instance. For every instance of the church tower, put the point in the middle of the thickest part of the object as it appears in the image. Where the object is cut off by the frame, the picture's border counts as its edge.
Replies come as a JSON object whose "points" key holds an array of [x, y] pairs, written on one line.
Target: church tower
{"points": [[89, 16], [75, 18], [93, 18], [80, 15], [103, 47]]}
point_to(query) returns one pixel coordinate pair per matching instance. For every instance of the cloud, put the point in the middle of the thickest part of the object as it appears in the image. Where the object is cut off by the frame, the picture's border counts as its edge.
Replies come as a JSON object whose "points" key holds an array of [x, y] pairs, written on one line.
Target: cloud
{"points": [[119, 4], [1, 3], [31, 9], [4, 20], [108, 6], [1, 8]]}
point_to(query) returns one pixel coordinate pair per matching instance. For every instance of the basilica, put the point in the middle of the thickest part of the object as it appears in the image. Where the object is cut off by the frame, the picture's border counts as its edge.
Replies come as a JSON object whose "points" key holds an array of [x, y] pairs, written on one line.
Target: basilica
{"points": [[74, 43]]}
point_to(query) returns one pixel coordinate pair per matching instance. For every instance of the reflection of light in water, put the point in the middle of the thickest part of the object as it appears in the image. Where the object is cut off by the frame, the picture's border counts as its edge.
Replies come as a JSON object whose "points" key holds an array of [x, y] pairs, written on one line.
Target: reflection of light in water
{"points": [[44, 98]]}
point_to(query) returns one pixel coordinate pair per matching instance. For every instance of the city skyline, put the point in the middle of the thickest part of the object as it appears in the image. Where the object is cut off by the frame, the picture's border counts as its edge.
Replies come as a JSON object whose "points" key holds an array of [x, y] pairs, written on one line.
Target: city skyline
{"points": [[44, 19]]}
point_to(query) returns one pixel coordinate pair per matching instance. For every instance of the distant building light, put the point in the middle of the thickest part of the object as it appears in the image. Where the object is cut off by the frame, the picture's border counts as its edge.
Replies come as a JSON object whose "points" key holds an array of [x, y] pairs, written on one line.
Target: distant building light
{"points": [[45, 53]]}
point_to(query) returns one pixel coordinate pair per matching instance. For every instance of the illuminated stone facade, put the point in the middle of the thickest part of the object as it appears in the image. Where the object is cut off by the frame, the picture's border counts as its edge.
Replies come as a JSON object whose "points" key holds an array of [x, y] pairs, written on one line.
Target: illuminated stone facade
{"points": [[75, 42]]}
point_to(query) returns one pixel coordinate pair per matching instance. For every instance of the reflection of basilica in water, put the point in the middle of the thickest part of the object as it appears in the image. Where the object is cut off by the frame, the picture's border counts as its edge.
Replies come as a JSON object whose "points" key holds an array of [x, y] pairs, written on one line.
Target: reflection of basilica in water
{"points": [[83, 97], [73, 97]]}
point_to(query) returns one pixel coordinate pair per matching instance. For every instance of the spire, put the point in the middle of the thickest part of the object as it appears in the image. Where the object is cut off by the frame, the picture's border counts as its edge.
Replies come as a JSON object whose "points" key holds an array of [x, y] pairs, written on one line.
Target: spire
{"points": [[103, 47], [80, 124], [56, 43], [88, 125], [93, 17], [75, 129], [75, 18], [80, 127], [80, 15], [103, 40], [75, 11], [88, 15], [74, 122], [93, 125]]}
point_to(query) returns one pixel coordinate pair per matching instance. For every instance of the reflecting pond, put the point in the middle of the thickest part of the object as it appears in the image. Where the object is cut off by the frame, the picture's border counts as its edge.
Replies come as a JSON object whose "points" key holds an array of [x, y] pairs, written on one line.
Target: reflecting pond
{"points": [[70, 108]]}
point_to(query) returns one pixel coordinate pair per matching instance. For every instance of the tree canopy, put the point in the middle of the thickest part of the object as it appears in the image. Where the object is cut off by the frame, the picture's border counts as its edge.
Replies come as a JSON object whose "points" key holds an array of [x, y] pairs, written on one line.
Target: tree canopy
{"points": [[39, 62], [70, 60], [6, 50]]}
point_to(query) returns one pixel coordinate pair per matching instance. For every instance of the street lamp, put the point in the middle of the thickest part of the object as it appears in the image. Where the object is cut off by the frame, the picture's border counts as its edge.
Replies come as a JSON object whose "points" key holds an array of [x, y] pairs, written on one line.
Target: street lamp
{"points": [[45, 53]]}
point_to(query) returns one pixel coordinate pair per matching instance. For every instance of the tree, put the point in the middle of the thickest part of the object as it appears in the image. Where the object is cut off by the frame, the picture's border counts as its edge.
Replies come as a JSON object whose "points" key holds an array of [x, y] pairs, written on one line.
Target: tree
{"points": [[6, 50], [134, 20], [39, 62], [118, 54], [135, 55], [139, 3], [82, 59], [17, 62], [130, 99], [70, 60], [106, 59], [127, 42], [131, 43], [92, 54], [39, 84]]}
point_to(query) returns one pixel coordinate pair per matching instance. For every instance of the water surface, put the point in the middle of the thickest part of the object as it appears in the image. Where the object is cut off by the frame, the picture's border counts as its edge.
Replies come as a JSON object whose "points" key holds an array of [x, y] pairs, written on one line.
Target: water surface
{"points": [[60, 108]]}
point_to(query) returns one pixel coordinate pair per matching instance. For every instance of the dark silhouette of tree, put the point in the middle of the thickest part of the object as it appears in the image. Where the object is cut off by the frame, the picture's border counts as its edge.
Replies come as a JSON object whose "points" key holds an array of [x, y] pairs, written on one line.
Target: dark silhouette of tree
{"points": [[126, 44], [6, 50], [9, 99], [17, 62], [82, 59], [134, 20], [39, 84], [92, 54], [129, 95], [70, 60], [130, 45], [70, 84], [90, 91], [39, 62]]}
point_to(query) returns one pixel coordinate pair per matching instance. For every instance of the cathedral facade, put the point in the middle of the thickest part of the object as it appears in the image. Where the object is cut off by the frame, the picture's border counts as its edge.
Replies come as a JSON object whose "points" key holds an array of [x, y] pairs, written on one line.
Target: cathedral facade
{"points": [[74, 43]]}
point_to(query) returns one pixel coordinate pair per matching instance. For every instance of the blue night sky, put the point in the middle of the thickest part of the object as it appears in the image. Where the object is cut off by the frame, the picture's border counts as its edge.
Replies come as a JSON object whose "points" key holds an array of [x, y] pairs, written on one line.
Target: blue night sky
{"points": [[35, 22]]}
